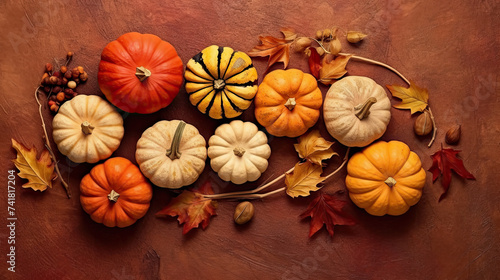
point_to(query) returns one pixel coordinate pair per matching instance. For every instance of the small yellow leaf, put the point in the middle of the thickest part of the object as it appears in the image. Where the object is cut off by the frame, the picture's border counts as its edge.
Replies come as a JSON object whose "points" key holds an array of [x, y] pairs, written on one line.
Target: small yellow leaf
{"points": [[39, 173], [303, 179], [332, 70], [314, 148], [413, 98]]}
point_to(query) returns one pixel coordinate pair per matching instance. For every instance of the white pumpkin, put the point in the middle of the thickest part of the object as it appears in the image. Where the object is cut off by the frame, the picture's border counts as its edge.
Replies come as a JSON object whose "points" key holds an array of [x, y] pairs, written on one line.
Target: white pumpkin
{"points": [[87, 129], [238, 152], [171, 154], [356, 111]]}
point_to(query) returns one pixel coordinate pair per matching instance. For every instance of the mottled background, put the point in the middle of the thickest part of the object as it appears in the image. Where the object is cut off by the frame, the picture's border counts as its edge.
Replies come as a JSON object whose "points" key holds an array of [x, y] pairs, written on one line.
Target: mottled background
{"points": [[449, 47]]}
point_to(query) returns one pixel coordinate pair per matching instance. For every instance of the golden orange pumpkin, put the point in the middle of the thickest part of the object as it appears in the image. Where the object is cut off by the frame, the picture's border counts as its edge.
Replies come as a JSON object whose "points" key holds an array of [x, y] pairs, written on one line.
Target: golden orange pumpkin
{"points": [[287, 102], [385, 178]]}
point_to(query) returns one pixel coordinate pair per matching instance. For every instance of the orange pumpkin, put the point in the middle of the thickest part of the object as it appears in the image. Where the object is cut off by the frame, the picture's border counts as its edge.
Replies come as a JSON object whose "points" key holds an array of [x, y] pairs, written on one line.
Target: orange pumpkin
{"points": [[287, 102], [385, 178], [140, 73], [115, 193]]}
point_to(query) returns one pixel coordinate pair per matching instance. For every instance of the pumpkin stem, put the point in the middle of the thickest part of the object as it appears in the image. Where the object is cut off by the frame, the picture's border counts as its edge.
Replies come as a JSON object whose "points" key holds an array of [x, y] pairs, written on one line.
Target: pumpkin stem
{"points": [[87, 128], [390, 182], [142, 73], [219, 84], [239, 151], [113, 196], [363, 110], [290, 103], [173, 152]]}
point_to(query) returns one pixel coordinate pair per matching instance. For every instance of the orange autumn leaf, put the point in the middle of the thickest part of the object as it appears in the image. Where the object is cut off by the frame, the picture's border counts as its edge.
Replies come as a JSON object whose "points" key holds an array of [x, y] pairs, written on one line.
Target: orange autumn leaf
{"points": [[413, 98], [39, 172], [333, 69], [278, 50], [303, 179], [192, 208], [288, 33], [314, 148]]}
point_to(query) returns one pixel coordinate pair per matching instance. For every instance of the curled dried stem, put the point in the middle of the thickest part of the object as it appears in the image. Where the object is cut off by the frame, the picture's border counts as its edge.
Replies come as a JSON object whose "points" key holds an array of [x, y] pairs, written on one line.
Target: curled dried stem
{"points": [[47, 145], [364, 59], [434, 128], [253, 194]]}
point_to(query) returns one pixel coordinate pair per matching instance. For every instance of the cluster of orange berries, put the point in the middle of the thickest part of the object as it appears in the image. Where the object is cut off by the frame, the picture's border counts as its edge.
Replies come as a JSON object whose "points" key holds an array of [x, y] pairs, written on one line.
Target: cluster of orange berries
{"points": [[60, 85]]}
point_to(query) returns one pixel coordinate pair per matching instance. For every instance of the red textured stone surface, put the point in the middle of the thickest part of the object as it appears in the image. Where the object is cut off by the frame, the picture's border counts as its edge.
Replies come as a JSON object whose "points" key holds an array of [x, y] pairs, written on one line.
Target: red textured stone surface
{"points": [[449, 47]]}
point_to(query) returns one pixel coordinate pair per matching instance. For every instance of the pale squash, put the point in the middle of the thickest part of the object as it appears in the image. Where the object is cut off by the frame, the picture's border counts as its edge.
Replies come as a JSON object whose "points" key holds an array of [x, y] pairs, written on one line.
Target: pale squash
{"points": [[238, 152], [356, 111], [171, 154], [87, 129]]}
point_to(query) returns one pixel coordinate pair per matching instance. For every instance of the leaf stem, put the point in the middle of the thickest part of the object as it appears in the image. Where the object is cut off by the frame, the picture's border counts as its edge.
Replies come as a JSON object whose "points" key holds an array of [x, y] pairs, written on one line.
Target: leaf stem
{"points": [[253, 194], [344, 161], [228, 195], [363, 59], [434, 128], [47, 145], [320, 44]]}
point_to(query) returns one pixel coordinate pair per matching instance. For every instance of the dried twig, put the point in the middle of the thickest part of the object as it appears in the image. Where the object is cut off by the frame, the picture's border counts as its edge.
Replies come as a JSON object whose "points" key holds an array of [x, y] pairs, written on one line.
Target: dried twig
{"points": [[47, 145]]}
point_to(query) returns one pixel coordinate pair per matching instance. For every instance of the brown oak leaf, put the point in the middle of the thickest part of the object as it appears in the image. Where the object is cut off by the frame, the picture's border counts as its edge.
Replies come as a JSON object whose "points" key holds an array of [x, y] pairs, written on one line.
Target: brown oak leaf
{"points": [[303, 179], [326, 210], [278, 50], [39, 172], [333, 69], [192, 208], [314, 148], [443, 161], [413, 98]]}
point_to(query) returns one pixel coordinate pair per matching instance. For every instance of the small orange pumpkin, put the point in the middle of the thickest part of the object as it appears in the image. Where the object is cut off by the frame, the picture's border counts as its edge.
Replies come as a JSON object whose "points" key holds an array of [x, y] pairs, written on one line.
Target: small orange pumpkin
{"points": [[287, 102], [385, 178], [115, 193]]}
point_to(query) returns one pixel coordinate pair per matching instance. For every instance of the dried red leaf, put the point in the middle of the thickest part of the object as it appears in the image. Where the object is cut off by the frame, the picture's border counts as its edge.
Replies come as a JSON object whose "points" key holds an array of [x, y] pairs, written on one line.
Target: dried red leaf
{"points": [[314, 62], [192, 208], [278, 50], [445, 160], [326, 209]]}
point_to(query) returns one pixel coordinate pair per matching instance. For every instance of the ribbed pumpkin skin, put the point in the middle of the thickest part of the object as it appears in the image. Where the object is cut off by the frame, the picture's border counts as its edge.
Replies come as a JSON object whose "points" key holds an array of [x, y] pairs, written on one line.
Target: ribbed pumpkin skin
{"points": [[120, 175], [220, 82], [339, 111], [368, 170], [118, 81], [158, 167], [238, 152], [274, 92], [101, 143]]}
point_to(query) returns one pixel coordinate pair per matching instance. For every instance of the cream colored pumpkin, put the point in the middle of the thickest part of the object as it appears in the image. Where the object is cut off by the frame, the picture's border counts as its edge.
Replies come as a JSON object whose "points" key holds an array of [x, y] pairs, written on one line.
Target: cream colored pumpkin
{"points": [[238, 152], [171, 154], [87, 129], [356, 111]]}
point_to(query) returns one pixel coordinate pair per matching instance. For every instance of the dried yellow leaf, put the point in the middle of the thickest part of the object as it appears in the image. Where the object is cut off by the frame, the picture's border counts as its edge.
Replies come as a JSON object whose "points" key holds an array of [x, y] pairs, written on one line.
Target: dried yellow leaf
{"points": [[39, 172]]}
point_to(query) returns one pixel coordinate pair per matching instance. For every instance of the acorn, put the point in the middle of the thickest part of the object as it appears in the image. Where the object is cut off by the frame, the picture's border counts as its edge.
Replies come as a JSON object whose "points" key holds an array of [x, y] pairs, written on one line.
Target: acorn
{"points": [[423, 124], [453, 135], [243, 212]]}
